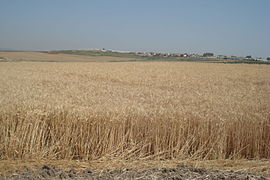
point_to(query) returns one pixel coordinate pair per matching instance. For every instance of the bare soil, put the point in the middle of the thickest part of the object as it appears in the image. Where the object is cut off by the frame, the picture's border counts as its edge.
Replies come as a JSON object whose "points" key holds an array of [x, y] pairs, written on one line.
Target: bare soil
{"points": [[178, 173]]}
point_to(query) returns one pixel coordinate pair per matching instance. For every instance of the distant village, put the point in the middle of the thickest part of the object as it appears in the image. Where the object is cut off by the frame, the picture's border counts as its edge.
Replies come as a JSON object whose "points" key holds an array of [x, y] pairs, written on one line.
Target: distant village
{"points": [[193, 55], [204, 55]]}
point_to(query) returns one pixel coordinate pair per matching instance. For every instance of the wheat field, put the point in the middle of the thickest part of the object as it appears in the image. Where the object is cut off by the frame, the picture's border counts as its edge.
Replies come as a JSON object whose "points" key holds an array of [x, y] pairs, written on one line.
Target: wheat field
{"points": [[134, 110]]}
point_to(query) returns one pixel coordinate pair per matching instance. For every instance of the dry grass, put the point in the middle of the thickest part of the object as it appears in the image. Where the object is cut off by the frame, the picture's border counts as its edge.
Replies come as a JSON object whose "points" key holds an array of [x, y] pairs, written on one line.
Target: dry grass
{"points": [[134, 111], [44, 56]]}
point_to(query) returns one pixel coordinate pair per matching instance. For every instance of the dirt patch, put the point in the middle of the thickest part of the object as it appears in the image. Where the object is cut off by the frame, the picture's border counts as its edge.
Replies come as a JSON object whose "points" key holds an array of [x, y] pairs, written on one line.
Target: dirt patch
{"points": [[177, 173], [47, 57]]}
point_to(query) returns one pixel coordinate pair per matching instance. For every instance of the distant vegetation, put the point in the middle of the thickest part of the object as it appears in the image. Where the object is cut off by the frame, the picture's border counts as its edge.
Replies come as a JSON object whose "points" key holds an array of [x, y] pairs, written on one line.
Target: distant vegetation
{"points": [[137, 57], [246, 62], [97, 53]]}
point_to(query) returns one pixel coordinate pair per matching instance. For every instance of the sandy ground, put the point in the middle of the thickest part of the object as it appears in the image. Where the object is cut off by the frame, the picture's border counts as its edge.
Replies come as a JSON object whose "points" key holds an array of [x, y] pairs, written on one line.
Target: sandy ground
{"points": [[47, 57]]}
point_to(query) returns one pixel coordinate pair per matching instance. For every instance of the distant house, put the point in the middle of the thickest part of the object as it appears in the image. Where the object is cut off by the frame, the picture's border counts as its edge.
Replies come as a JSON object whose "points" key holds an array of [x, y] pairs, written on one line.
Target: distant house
{"points": [[249, 58], [222, 57], [234, 57], [208, 54], [185, 55]]}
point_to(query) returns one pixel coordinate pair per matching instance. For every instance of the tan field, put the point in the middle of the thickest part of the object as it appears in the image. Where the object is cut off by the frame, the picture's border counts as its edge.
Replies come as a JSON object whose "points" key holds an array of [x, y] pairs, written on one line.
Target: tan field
{"points": [[45, 56], [134, 111]]}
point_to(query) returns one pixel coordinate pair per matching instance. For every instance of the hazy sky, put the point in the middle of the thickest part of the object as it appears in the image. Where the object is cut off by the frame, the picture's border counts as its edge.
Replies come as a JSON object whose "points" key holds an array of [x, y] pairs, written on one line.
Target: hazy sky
{"points": [[230, 27]]}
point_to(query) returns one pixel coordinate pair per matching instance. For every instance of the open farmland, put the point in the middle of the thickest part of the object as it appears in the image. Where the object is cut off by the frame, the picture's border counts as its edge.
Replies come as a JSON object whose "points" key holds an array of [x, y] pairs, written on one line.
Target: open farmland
{"points": [[134, 111], [45, 56]]}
